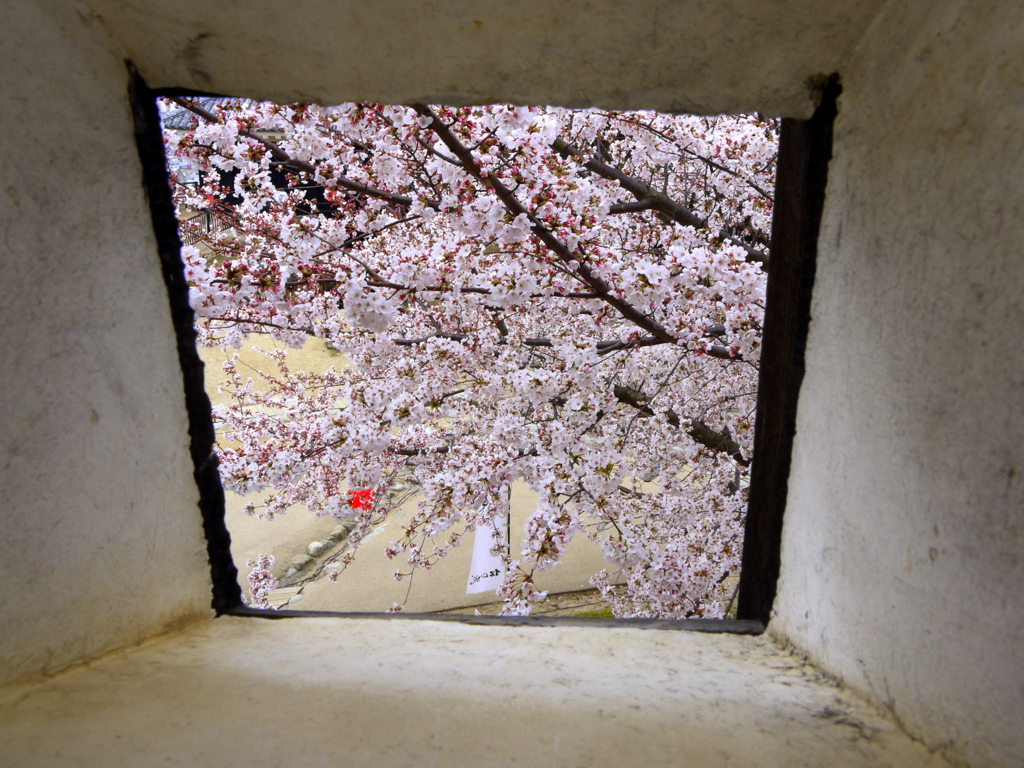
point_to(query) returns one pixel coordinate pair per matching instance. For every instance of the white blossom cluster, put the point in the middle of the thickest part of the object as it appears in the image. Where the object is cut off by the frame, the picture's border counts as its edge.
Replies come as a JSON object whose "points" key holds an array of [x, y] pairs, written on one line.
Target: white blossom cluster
{"points": [[261, 581], [570, 298]]}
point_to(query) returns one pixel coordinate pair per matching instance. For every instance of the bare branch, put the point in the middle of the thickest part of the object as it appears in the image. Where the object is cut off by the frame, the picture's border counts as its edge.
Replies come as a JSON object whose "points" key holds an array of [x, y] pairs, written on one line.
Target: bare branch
{"points": [[634, 207], [706, 160]]}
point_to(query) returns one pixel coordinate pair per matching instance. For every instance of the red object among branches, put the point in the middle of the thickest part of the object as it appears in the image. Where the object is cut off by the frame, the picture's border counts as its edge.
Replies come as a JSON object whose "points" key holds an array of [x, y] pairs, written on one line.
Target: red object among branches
{"points": [[361, 499]]}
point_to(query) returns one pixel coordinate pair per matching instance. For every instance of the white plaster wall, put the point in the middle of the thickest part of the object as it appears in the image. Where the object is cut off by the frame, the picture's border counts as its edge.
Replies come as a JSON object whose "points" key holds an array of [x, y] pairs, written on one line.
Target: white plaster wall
{"points": [[100, 538], [672, 55], [904, 535], [348, 692]]}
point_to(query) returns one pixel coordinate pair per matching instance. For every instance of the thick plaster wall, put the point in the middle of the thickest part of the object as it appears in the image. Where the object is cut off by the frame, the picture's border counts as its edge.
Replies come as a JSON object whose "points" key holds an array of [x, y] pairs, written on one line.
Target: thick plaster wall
{"points": [[904, 534], [251, 692], [102, 542], [673, 55]]}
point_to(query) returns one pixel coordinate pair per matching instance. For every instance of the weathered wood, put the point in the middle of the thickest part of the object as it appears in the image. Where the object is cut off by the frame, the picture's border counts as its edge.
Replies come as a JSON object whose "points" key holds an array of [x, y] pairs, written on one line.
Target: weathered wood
{"points": [[682, 625], [805, 148], [149, 139]]}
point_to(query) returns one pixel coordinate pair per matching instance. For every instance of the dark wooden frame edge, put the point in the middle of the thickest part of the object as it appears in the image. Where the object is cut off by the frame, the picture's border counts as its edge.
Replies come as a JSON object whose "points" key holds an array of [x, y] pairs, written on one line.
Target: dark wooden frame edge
{"points": [[227, 595], [805, 148]]}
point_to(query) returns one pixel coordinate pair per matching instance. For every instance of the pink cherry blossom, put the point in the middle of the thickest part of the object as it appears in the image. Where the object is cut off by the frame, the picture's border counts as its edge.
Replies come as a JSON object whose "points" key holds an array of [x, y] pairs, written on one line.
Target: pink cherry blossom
{"points": [[572, 298]]}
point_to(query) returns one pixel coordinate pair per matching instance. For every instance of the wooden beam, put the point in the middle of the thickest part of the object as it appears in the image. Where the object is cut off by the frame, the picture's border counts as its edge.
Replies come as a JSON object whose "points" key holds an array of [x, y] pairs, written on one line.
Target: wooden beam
{"points": [[805, 148], [227, 595], [676, 625]]}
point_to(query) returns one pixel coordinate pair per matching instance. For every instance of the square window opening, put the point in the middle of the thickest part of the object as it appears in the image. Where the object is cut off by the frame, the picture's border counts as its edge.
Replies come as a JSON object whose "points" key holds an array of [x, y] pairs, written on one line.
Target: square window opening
{"points": [[538, 333]]}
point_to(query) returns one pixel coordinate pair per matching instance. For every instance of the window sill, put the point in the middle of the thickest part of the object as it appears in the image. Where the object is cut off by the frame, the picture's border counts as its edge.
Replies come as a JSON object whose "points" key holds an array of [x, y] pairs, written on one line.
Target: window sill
{"points": [[237, 691]]}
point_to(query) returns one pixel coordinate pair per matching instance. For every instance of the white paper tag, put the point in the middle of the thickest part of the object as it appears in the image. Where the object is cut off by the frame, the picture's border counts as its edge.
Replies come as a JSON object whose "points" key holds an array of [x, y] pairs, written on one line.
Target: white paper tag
{"points": [[486, 571]]}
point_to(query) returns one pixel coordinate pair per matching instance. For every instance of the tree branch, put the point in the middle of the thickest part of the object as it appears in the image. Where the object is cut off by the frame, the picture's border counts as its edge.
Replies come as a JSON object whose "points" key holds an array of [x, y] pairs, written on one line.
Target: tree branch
{"points": [[603, 347], [721, 442], [634, 207], [302, 166], [645, 193], [469, 289], [420, 451], [580, 269]]}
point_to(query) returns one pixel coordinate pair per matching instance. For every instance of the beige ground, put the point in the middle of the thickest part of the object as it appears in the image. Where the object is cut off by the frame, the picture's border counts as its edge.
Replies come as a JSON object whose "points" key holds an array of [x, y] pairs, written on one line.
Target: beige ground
{"points": [[369, 584]]}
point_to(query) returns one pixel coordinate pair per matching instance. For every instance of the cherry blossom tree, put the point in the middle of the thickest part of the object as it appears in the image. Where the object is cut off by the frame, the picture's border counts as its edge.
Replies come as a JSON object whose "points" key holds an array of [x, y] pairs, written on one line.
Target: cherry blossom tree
{"points": [[570, 298]]}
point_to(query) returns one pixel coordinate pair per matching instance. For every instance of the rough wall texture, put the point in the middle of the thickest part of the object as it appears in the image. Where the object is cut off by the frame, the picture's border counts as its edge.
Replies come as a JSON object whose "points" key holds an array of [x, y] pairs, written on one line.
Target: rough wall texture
{"points": [[689, 55], [102, 542], [904, 537], [236, 693]]}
